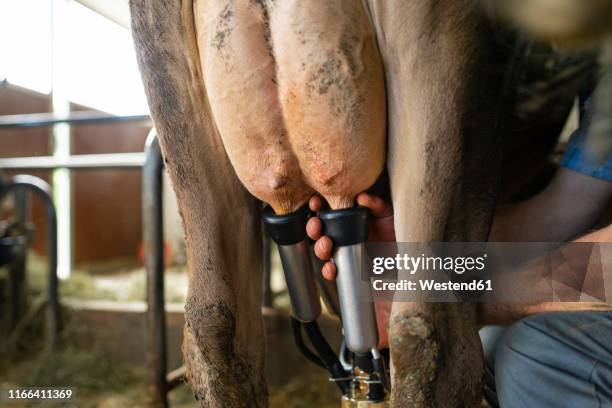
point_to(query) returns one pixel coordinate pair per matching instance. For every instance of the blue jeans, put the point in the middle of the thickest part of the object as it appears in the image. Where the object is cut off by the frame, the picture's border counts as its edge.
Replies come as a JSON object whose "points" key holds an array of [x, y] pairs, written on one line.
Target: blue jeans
{"points": [[551, 360]]}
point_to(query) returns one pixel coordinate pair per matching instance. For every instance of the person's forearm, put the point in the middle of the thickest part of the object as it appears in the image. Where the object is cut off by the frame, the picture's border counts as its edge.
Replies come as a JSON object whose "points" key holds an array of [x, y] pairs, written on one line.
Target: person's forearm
{"points": [[600, 235], [507, 313], [568, 207], [537, 220]]}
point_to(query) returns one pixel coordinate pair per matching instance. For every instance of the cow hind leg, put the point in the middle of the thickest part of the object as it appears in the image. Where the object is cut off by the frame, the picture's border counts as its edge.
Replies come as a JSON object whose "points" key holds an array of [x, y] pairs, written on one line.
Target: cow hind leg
{"points": [[223, 345], [430, 51]]}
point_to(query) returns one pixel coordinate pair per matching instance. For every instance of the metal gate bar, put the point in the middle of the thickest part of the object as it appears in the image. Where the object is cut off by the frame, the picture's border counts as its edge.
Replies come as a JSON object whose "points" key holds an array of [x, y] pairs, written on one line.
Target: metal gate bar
{"points": [[153, 241], [80, 161], [76, 118]]}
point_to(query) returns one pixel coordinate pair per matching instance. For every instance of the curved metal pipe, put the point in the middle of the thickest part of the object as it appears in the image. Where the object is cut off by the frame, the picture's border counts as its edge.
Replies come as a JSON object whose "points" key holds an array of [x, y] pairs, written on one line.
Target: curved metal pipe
{"points": [[43, 191]]}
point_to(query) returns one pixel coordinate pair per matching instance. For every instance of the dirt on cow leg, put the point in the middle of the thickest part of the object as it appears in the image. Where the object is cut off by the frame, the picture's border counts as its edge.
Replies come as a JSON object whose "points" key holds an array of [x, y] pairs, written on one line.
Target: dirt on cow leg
{"points": [[413, 334], [422, 346]]}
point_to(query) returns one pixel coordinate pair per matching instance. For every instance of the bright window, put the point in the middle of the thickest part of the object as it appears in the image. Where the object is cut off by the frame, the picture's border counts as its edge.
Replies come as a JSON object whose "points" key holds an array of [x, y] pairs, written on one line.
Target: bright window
{"points": [[96, 65], [25, 48]]}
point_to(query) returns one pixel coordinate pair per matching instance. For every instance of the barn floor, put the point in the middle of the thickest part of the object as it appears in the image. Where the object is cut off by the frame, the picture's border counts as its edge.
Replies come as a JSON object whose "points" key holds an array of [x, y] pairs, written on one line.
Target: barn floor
{"points": [[88, 361], [101, 384]]}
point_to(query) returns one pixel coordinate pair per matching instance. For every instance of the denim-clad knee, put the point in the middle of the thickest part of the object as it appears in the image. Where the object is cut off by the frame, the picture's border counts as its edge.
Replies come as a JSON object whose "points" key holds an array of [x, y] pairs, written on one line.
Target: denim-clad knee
{"points": [[556, 360]]}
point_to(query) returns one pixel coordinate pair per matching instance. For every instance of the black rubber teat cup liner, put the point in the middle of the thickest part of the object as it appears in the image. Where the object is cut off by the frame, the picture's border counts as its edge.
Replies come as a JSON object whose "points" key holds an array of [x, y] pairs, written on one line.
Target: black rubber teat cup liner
{"points": [[286, 229], [345, 227]]}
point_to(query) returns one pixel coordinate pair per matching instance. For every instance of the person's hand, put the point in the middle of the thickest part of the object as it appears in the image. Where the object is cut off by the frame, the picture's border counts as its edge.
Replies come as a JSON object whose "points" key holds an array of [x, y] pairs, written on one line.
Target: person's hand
{"points": [[380, 230]]}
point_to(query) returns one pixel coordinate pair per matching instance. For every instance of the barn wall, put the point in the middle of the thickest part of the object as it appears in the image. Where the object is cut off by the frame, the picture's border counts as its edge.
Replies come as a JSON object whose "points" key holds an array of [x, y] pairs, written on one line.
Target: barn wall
{"points": [[106, 203]]}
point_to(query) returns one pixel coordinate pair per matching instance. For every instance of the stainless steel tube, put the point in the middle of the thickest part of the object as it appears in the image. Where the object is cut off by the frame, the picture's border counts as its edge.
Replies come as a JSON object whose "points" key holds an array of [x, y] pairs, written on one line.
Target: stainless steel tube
{"points": [[327, 289], [348, 231], [300, 280], [357, 308]]}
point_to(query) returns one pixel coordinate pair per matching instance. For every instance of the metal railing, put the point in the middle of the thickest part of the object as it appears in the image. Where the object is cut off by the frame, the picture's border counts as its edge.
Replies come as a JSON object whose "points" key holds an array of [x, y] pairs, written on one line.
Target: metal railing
{"points": [[29, 120], [81, 161], [61, 162], [19, 185], [73, 162], [159, 380]]}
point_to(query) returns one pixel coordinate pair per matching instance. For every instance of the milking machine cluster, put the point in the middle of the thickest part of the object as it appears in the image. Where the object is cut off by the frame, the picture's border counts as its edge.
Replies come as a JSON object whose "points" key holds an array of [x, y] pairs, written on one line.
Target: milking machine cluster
{"points": [[359, 370]]}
